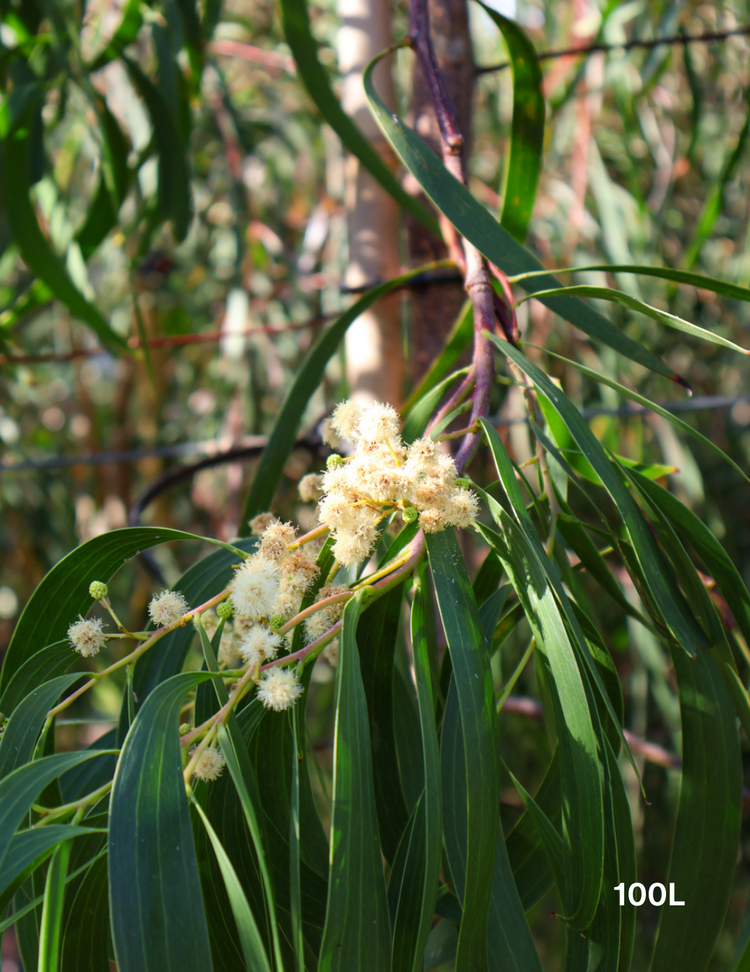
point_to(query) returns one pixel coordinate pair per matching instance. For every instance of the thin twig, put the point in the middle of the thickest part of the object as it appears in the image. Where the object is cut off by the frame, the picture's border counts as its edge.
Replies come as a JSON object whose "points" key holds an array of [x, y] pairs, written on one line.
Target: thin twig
{"points": [[674, 39]]}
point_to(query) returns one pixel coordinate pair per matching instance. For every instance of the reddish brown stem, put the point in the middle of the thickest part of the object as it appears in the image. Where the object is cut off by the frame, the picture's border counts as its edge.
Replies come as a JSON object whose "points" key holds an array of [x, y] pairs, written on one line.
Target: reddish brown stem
{"points": [[477, 281]]}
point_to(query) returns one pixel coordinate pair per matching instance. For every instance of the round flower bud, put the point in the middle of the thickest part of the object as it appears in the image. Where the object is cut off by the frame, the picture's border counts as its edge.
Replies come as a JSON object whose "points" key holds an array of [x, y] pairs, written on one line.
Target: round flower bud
{"points": [[334, 461], [409, 514], [98, 590], [209, 767], [276, 622], [225, 610], [184, 729]]}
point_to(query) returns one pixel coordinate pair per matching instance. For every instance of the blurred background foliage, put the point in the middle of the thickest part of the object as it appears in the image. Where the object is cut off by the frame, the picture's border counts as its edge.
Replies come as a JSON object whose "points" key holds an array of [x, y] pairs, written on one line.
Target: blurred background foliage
{"points": [[190, 192]]}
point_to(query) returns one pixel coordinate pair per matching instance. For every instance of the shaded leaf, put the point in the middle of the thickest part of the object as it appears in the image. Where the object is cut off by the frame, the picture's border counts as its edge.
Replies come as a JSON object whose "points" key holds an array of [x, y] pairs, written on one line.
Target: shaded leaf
{"points": [[357, 922], [158, 920]]}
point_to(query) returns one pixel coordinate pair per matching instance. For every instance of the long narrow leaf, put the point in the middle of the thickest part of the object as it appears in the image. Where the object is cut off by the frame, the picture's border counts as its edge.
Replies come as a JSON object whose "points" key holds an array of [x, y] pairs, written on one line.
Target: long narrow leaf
{"points": [[671, 320], [158, 921], [296, 24], [251, 942], [357, 926], [474, 222], [472, 678], [527, 127]]}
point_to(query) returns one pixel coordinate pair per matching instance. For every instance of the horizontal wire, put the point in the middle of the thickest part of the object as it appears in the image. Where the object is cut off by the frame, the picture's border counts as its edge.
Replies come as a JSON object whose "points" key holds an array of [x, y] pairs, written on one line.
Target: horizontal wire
{"points": [[718, 35], [218, 449]]}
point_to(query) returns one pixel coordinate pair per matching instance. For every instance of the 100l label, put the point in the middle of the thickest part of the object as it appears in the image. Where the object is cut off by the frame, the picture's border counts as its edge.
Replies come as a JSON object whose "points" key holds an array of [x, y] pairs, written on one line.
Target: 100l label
{"points": [[657, 895]]}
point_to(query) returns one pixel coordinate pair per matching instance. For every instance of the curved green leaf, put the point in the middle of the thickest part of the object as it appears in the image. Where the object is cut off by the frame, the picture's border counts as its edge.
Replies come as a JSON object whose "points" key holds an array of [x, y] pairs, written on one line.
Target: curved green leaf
{"points": [[253, 950], [671, 320], [42, 666], [357, 923], [417, 890], [527, 127], [18, 741], [50, 931], [158, 921], [296, 24], [474, 222], [666, 596], [36, 251], [651, 406], [699, 280], [270, 469], [583, 812], [29, 848], [472, 678], [20, 788], [175, 199], [64, 592], [707, 830]]}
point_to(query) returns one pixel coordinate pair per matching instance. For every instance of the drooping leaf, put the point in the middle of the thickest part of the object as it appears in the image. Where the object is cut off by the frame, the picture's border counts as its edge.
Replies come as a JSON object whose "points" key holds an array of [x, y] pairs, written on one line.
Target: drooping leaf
{"points": [[704, 848], [472, 678], [651, 406], [20, 788], [413, 889], [158, 921], [699, 280], [474, 222], [583, 813], [671, 320], [524, 164], [357, 922], [666, 597], [64, 592], [251, 942], [296, 24], [18, 741], [36, 250], [43, 665]]}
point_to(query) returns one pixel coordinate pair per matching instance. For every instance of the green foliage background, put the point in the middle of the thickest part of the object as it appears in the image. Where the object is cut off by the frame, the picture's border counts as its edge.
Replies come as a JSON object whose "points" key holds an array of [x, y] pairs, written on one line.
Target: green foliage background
{"points": [[128, 137]]}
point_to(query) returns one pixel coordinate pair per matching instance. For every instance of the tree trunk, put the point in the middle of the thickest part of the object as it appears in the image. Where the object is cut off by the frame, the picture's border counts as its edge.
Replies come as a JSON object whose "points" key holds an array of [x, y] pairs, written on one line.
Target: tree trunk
{"points": [[434, 308], [374, 346]]}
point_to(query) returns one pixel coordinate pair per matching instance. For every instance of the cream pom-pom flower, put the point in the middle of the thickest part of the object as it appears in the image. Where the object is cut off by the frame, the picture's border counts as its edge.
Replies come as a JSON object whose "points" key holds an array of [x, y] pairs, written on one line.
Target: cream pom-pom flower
{"points": [[279, 689], [255, 589], [87, 636], [310, 487], [258, 645], [167, 608], [210, 765]]}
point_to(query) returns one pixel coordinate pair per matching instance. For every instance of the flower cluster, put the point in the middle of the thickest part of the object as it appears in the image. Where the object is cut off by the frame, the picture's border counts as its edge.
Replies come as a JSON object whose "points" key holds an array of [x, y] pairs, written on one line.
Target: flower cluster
{"points": [[87, 636], [384, 475], [267, 590]]}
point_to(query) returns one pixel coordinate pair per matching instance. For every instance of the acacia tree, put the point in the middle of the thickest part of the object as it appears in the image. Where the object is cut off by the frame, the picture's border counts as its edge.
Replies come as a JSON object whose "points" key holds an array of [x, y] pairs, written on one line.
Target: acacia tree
{"points": [[194, 834]]}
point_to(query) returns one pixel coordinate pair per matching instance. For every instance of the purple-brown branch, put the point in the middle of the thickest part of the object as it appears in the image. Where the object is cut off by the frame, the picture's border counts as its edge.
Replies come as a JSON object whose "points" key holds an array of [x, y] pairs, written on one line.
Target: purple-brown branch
{"points": [[477, 279]]}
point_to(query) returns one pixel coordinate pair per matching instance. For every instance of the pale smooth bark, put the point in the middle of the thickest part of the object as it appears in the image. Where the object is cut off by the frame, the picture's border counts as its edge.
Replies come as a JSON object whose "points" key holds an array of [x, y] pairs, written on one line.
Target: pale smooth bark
{"points": [[374, 347]]}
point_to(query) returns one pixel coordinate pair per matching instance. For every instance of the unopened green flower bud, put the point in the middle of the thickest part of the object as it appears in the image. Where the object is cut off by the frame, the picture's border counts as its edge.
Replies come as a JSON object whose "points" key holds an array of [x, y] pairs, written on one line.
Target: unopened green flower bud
{"points": [[409, 514], [275, 622], [98, 590], [463, 483], [334, 461], [184, 729], [224, 610]]}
